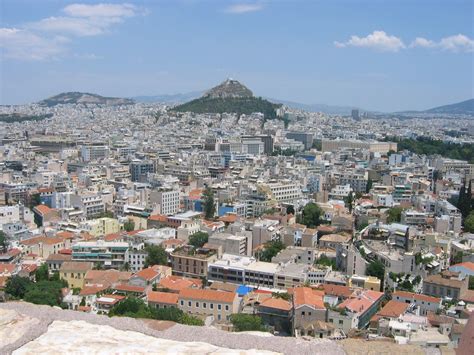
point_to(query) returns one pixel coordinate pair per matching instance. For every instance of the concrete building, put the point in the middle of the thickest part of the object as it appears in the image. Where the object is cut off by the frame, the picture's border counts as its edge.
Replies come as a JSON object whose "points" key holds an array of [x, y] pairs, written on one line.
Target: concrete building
{"points": [[109, 255], [219, 305]]}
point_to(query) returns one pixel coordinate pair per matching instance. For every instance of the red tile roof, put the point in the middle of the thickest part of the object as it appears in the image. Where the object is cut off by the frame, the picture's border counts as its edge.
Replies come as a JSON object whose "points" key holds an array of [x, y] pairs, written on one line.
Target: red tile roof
{"points": [[162, 297], [467, 265], [177, 283], [7, 268], [207, 295], [129, 288], [393, 309], [309, 297], [277, 303], [416, 296], [42, 209], [147, 274]]}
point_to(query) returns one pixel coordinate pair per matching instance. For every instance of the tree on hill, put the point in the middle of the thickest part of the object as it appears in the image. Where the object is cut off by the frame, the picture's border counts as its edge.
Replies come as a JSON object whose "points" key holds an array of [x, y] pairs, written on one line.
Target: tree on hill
{"points": [[42, 273], [3, 242], [198, 239], [17, 286], [208, 203], [469, 223], [311, 215], [156, 256], [247, 322], [129, 225], [376, 268], [290, 210], [394, 215], [368, 187], [271, 249]]}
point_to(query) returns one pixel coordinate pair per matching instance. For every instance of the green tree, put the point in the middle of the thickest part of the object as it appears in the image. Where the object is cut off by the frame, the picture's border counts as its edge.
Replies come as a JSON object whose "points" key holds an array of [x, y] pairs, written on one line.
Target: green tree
{"points": [[3, 242], [471, 282], [325, 261], [349, 201], [247, 322], [271, 249], [368, 187], [156, 256], [290, 210], [198, 239], [311, 215], [45, 292], [129, 225], [42, 273], [394, 215], [17, 286], [376, 268], [208, 203], [469, 223]]}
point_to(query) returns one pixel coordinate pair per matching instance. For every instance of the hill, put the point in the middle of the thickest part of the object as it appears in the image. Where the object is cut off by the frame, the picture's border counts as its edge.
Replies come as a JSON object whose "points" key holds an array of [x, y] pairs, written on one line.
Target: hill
{"points": [[460, 108], [232, 97], [84, 98]]}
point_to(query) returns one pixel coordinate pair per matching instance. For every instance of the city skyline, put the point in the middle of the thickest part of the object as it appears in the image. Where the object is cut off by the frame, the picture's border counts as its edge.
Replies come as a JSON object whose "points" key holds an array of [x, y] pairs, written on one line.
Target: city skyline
{"points": [[362, 54]]}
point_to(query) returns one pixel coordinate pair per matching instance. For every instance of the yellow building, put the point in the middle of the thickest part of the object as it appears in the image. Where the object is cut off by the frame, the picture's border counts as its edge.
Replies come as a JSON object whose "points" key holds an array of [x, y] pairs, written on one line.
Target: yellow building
{"points": [[365, 282], [74, 272], [103, 226]]}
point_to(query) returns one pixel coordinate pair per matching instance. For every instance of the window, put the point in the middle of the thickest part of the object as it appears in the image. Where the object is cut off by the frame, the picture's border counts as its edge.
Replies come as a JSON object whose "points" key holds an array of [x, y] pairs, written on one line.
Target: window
{"points": [[303, 313], [219, 307], [340, 321], [226, 307], [211, 305], [204, 305], [182, 303], [197, 304], [189, 304]]}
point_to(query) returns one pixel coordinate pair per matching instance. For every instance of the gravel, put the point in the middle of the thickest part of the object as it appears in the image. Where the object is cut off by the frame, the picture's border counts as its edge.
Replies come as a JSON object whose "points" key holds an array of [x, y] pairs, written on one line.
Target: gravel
{"points": [[287, 345]]}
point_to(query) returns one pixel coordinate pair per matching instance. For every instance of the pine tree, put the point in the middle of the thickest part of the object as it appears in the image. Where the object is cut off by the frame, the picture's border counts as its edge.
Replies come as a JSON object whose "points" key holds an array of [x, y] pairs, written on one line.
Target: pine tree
{"points": [[208, 203], [368, 187]]}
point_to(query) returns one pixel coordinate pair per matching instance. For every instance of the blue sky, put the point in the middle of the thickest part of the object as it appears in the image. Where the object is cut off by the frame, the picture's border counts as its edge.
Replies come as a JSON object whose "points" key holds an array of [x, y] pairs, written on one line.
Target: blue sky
{"points": [[379, 55]]}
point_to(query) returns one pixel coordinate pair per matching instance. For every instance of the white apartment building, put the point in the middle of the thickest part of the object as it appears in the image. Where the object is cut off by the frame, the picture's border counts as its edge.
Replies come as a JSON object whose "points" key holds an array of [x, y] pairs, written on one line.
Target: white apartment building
{"points": [[168, 201], [284, 191]]}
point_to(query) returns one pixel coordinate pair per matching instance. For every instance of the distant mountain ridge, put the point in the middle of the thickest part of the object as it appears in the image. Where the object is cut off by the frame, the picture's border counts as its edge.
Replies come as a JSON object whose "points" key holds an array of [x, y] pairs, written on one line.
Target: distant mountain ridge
{"points": [[84, 98], [462, 108], [232, 97]]}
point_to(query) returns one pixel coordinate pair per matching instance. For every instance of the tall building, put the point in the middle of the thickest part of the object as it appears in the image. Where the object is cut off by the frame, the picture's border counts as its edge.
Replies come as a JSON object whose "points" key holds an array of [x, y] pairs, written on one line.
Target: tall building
{"points": [[139, 169], [355, 114]]}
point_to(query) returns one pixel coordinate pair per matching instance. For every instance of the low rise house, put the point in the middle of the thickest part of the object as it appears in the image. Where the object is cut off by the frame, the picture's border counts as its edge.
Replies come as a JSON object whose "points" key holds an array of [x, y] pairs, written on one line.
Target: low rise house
{"points": [[150, 276], [74, 272], [162, 299], [308, 305], [277, 313], [422, 302], [447, 284], [54, 261], [217, 304]]}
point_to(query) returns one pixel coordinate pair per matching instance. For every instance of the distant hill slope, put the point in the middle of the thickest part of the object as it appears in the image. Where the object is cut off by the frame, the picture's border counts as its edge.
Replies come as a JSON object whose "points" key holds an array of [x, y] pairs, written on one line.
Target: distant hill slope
{"points": [[460, 108], [84, 98], [232, 97]]}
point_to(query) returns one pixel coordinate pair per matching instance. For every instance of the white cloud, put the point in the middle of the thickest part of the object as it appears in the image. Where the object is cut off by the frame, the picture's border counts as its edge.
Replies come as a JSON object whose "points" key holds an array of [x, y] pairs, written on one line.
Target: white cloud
{"points": [[101, 10], [457, 43], [86, 20], [377, 40], [25, 45], [422, 42], [243, 8], [71, 26]]}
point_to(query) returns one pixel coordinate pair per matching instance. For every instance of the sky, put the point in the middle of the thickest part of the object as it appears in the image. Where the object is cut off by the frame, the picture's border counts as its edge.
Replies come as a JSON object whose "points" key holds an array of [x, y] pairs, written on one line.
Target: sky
{"points": [[378, 55]]}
